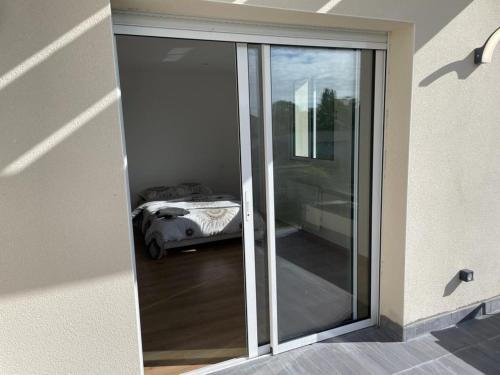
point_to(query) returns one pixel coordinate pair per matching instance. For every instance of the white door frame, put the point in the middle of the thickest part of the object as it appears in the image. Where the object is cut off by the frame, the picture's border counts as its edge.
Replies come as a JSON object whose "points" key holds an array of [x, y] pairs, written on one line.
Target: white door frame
{"points": [[125, 23], [247, 198]]}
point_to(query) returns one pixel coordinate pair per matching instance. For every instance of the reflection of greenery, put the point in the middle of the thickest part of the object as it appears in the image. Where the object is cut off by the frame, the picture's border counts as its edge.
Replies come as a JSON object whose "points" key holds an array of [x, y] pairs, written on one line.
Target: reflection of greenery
{"points": [[332, 110], [326, 114], [333, 114], [325, 119]]}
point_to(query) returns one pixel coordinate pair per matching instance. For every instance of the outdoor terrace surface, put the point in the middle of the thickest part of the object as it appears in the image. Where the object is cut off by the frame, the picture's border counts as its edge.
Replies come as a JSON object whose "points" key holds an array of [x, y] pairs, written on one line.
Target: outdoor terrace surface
{"points": [[471, 347]]}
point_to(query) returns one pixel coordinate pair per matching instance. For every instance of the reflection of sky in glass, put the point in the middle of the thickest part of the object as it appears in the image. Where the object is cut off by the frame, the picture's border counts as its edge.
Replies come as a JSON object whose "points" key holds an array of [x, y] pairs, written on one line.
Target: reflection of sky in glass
{"points": [[330, 68]]}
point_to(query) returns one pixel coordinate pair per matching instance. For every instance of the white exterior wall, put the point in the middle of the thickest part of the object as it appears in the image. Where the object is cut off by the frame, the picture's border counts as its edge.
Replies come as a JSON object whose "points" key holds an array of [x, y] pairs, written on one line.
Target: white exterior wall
{"points": [[454, 171], [67, 298]]}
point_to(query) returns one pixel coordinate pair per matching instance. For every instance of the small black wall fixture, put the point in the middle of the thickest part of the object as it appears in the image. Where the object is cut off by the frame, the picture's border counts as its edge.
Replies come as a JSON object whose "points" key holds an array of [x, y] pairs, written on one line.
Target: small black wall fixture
{"points": [[466, 275], [484, 54]]}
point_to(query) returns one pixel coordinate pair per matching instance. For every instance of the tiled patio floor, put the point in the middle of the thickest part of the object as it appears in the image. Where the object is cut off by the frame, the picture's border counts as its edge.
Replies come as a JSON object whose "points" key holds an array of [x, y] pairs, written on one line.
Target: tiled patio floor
{"points": [[472, 347]]}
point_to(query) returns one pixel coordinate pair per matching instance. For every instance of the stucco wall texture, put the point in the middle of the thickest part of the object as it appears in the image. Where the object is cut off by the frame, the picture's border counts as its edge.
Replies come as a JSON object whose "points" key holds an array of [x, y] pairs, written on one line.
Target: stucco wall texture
{"points": [[67, 298], [453, 209]]}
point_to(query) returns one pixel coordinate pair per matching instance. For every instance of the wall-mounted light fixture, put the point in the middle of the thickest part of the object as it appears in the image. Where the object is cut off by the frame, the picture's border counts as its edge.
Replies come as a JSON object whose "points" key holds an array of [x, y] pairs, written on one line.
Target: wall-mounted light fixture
{"points": [[483, 55], [466, 275]]}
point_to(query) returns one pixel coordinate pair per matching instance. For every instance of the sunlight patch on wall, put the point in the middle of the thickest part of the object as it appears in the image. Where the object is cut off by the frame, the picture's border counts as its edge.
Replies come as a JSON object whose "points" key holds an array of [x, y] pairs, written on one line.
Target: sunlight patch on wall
{"points": [[239, 1], [328, 6], [35, 153], [53, 47]]}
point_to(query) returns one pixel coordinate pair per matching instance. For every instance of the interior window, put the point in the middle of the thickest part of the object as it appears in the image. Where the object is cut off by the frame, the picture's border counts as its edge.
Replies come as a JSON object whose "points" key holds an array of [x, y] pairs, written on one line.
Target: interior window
{"points": [[317, 109], [302, 132]]}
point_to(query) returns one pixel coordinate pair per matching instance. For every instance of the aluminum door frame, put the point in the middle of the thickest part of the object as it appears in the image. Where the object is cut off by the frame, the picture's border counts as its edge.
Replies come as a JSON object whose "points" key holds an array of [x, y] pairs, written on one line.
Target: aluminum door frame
{"points": [[145, 25], [376, 190]]}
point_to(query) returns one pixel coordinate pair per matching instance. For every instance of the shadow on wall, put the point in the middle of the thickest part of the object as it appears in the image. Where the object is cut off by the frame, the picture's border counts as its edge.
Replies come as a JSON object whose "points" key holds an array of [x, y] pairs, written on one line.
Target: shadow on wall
{"points": [[452, 285], [20, 75], [463, 69], [65, 220]]}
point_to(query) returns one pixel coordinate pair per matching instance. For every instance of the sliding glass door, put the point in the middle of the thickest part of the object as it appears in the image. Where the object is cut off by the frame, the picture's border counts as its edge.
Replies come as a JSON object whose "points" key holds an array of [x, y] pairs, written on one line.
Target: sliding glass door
{"points": [[316, 128], [310, 115], [311, 119]]}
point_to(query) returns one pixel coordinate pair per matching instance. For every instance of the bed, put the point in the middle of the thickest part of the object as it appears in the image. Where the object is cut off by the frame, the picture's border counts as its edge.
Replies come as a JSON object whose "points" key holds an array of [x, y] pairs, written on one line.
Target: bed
{"points": [[196, 217]]}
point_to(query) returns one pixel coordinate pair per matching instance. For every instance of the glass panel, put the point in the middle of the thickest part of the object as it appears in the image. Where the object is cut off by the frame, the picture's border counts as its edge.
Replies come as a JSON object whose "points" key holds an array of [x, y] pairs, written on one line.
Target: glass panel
{"points": [[364, 184], [321, 105], [259, 191], [183, 145]]}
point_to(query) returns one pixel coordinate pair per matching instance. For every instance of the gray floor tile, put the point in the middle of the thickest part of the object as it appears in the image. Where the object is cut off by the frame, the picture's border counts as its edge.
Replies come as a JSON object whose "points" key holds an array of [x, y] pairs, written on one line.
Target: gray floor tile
{"points": [[434, 368], [457, 366], [470, 348]]}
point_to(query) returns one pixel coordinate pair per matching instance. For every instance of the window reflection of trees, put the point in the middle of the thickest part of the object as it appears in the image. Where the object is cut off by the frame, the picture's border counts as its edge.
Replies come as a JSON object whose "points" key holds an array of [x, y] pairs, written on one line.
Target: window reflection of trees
{"points": [[333, 114]]}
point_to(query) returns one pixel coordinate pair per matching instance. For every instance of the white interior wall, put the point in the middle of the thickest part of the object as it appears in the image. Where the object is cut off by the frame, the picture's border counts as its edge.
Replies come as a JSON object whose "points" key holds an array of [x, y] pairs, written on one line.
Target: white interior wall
{"points": [[180, 117]]}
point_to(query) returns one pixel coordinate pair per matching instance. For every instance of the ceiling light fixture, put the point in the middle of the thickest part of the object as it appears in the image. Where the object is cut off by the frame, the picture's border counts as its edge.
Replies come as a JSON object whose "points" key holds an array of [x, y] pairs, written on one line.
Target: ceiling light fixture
{"points": [[175, 54], [484, 54]]}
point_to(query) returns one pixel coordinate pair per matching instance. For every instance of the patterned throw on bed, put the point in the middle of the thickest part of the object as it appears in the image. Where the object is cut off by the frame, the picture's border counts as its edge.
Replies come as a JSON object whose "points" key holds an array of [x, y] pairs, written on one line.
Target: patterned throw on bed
{"points": [[172, 223]]}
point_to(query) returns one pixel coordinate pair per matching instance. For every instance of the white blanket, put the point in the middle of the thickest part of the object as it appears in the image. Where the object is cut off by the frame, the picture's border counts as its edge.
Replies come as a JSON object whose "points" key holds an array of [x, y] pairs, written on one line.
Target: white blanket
{"points": [[207, 217], [150, 209]]}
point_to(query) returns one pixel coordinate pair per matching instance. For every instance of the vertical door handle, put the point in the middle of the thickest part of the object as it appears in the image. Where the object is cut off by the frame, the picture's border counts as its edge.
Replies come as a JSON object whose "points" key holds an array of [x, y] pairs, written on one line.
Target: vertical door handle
{"points": [[248, 210]]}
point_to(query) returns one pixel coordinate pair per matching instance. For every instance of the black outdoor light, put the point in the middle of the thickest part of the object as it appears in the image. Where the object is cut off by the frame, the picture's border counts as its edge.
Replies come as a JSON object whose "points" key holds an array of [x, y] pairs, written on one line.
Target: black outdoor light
{"points": [[484, 54], [466, 275]]}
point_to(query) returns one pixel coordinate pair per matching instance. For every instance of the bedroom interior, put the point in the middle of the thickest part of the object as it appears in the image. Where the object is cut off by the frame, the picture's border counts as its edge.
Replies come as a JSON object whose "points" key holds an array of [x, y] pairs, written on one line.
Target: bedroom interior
{"points": [[182, 115], [181, 131]]}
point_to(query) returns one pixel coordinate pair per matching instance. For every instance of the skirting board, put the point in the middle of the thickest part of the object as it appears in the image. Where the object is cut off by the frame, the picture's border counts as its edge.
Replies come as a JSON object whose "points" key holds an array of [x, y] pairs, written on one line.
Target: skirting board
{"points": [[438, 322]]}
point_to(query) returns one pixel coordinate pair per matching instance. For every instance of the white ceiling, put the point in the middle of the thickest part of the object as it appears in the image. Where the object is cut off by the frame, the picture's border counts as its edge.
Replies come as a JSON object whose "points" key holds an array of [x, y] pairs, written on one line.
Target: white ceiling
{"points": [[175, 55]]}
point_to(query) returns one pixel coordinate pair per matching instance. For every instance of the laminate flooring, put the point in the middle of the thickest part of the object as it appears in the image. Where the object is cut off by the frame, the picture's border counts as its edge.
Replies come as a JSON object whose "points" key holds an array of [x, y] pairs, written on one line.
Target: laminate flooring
{"points": [[192, 306]]}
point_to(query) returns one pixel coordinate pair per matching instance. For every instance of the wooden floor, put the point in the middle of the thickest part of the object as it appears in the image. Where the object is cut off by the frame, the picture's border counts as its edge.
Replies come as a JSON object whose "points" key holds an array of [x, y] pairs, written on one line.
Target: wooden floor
{"points": [[192, 306], [192, 303], [471, 347]]}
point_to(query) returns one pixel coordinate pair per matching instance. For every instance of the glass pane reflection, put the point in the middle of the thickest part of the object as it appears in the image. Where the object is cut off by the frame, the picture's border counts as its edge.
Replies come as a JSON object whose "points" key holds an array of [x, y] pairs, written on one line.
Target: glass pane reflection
{"points": [[321, 104]]}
